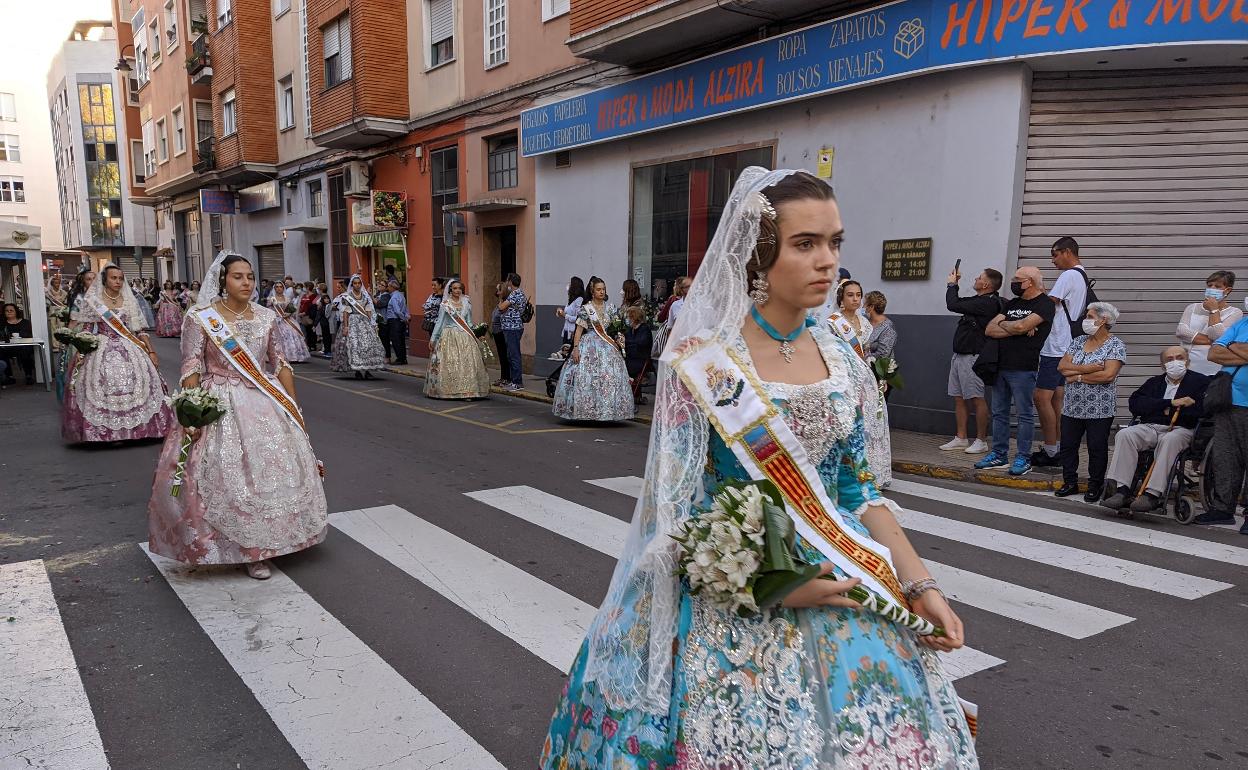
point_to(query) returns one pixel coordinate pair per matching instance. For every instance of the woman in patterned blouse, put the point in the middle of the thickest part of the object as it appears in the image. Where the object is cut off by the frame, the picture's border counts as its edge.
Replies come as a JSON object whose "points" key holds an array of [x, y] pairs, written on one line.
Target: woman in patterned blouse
{"points": [[1090, 366]]}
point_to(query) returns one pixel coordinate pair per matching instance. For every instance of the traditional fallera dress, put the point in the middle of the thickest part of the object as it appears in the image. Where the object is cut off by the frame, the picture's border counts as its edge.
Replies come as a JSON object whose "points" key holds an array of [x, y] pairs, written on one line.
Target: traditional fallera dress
{"points": [[252, 490], [290, 340], [113, 393], [879, 444], [358, 349], [56, 300], [168, 314], [786, 689], [149, 318], [457, 369], [596, 388]]}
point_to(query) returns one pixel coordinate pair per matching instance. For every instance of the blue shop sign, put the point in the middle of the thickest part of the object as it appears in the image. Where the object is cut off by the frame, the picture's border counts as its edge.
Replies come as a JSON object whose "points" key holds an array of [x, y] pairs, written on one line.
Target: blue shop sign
{"points": [[217, 202], [892, 41]]}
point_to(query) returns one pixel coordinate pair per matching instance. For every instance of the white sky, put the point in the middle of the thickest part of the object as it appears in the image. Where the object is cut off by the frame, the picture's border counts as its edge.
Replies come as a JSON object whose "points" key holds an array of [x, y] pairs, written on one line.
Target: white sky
{"points": [[33, 31]]}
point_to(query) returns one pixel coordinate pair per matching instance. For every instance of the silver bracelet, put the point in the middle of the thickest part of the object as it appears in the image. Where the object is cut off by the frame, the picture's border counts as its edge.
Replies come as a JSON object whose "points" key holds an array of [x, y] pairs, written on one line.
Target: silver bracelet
{"points": [[913, 589]]}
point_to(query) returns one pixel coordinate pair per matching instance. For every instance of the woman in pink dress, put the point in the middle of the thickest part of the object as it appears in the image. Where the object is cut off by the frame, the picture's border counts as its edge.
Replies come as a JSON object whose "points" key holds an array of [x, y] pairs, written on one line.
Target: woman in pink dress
{"points": [[168, 312], [252, 489], [113, 393], [290, 341]]}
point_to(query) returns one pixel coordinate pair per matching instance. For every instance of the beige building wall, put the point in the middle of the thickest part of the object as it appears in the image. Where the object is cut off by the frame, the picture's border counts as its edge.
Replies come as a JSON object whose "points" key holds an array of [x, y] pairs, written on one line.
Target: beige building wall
{"points": [[37, 167], [288, 61], [432, 89]]}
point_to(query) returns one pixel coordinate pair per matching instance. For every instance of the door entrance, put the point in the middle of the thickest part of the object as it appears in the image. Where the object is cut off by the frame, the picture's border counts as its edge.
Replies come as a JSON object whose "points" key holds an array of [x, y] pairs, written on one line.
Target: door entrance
{"points": [[498, 254], [316, 261]]}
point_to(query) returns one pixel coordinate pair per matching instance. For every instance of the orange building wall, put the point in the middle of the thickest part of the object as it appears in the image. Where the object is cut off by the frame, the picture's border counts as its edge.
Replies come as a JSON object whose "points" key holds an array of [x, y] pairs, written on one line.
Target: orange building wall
{"points": [[378, 85], [588, 14], [242, 59]]}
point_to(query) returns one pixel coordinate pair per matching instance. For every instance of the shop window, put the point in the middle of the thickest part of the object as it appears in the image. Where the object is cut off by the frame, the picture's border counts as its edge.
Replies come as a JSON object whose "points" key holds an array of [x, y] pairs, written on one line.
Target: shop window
{"points": [[675, 210], [336, 42], [503, 162]]}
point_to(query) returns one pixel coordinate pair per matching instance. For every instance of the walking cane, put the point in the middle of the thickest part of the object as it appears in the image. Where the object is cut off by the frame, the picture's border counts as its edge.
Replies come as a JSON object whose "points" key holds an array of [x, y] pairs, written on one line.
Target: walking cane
{"points": [[1149, 475]]}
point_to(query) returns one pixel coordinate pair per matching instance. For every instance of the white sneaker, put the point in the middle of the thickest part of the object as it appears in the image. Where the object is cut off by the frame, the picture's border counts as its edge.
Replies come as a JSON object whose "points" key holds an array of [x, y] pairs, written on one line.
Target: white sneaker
{"points": [[977, 447], [956, 443]]}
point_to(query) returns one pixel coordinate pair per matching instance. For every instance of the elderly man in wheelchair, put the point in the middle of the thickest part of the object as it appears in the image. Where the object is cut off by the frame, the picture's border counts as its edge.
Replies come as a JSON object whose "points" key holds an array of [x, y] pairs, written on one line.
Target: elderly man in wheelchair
{"points": [[1167, 409]]}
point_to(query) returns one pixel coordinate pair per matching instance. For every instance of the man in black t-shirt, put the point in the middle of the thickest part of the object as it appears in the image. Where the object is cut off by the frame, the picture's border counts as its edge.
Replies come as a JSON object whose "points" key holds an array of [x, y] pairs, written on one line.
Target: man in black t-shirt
{"points": [[1020, 332]]}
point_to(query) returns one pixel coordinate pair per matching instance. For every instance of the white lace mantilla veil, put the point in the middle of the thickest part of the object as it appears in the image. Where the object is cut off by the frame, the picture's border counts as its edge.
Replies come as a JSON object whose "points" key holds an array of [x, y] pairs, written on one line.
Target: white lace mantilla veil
{"points": [[129, 305], [210, 287], [630, 640]]}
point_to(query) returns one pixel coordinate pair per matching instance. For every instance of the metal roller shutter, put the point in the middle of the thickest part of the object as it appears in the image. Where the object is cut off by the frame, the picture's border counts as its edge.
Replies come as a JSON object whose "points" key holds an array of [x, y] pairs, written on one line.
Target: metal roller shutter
{"points": [[272, 263], [1148, 170]]}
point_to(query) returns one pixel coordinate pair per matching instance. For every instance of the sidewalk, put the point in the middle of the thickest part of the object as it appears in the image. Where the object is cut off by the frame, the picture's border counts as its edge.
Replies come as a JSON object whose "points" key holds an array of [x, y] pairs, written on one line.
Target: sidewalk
{"points": [[914, 453]]}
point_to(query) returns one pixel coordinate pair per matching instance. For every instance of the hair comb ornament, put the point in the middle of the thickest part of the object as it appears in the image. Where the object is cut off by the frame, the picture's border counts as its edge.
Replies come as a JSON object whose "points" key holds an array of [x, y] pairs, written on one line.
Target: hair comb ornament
{"points": [[758, 205]]}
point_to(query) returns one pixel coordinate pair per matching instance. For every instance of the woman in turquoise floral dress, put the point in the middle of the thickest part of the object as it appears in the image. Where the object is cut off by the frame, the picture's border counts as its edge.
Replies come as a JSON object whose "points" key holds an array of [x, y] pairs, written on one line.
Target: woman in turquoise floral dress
{"points": [[665, 680], [594, 384]]}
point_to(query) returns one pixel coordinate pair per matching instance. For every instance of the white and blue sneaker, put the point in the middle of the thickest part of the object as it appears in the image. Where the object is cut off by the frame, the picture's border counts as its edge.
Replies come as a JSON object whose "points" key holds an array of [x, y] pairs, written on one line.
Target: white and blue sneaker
{"points": [[993, 460], [1021, 466]]}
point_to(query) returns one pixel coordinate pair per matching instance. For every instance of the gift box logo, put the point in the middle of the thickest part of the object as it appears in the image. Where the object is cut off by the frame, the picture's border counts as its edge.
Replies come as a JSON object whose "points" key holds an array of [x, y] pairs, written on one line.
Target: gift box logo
{"points": [[909, 39]]}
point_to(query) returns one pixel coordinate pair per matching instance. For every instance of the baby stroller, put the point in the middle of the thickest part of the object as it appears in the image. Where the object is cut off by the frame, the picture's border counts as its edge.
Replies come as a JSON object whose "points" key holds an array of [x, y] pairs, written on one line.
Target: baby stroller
{"points": [[552, 379]]}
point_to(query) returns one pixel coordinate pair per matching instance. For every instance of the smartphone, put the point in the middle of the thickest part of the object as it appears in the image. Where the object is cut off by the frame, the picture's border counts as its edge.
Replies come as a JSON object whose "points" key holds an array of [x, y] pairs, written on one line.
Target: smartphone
{"points": [[957, 266]]}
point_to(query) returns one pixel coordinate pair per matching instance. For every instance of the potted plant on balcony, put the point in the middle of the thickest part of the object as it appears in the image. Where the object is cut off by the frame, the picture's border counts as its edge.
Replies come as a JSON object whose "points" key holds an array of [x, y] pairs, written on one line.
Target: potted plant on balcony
{"points": [[199, 25]]}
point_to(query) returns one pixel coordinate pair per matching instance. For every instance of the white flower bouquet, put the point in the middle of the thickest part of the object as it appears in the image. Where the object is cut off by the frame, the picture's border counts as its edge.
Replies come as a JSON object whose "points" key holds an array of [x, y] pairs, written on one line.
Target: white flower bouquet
{"points": [[83, 342], [739, 555], [194, 408]]}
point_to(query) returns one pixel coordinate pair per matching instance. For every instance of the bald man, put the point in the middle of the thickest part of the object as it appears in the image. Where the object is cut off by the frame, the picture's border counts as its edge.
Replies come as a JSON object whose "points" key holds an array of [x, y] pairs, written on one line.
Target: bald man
{"points": [[1020, 331], [1167, 407]]}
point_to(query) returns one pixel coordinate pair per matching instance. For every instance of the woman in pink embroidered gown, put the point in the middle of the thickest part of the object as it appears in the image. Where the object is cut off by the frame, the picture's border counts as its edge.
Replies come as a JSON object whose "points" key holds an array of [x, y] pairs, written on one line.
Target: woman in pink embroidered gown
{"points": [[168, 312], [252, 489], [113, 393]]}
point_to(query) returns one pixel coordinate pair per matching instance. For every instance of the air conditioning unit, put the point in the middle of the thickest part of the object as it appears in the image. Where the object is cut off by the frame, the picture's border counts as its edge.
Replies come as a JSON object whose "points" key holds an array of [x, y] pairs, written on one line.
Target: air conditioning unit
{"points": [[355, 178]]}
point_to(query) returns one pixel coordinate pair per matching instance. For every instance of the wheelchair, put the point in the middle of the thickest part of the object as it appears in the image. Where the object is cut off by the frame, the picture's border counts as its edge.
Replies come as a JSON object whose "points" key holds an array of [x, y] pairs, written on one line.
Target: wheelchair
{"points": [[1191, 476]]}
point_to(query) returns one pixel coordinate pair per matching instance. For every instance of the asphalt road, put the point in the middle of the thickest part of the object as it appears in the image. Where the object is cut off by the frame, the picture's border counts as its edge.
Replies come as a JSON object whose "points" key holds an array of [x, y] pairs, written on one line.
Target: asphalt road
{"points": [[453, 611]]}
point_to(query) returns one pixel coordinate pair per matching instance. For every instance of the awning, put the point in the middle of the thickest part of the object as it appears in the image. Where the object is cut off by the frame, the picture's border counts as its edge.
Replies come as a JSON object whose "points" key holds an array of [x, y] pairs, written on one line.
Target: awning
{"points": [[306, 227], [378, 238], [17, 256], [487, 204]]}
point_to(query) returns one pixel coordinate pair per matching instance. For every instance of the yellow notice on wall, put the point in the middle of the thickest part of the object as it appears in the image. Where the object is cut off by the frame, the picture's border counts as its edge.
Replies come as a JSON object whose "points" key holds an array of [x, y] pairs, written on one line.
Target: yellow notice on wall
{"points": [[824, 169]]}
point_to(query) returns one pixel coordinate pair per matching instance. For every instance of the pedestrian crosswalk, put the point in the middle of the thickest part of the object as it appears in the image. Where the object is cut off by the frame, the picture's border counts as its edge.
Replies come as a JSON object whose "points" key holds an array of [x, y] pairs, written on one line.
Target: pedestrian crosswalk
{"points": [[341, 704]]}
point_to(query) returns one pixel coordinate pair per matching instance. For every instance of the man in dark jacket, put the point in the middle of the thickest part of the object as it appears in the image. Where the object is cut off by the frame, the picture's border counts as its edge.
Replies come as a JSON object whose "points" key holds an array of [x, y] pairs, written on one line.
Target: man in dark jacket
{"points": [[968, 340], [1168, 407]]}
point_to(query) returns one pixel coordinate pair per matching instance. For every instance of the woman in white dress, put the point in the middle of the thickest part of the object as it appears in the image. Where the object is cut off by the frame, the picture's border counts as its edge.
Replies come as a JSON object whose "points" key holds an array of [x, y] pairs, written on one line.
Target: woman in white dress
{"points": [[850, 326], [456, 368]]}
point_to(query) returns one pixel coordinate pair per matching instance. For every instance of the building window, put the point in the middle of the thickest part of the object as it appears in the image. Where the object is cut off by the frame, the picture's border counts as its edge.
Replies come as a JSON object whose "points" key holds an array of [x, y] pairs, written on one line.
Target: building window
{"points": [[336, 42], [225, 12], [132, 83], [504, 162], [103, 166], [495, 33], [141, 73], [228, 119], [136, 162], [162, 140], [282, 7], [12, 189], [444, 189], [153, 42], [179, 131], [316, 199], [339, 235], [676, 208], [203, 120], [214, 232], [441, 31], [171, 24], [10, 149], [554, 8], [149, 150], [8, 107], [15, 219], [286, 103]]}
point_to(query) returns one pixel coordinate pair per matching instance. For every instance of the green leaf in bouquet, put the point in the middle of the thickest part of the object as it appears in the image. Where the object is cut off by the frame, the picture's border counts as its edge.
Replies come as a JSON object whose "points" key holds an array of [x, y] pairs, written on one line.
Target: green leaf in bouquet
{"points": [[781, 572]]}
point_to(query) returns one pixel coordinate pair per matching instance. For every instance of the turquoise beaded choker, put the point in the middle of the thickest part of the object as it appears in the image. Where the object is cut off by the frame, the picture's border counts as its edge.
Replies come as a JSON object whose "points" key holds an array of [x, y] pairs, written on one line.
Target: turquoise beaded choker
{"points": [[786, 340]]}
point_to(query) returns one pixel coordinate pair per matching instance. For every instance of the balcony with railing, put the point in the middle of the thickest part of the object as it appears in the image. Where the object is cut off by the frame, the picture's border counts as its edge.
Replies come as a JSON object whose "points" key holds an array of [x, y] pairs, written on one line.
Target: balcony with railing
{"points": [[206, 155], [199, 63]]}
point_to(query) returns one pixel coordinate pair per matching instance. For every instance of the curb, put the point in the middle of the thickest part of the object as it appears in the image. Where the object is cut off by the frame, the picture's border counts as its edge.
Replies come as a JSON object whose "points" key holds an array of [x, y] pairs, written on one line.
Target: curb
{"points": [[950, 473], [523, 395]]}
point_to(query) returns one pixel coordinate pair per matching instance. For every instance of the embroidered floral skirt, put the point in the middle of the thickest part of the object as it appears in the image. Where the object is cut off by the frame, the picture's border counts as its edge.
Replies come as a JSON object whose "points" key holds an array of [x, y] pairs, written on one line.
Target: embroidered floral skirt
{"points": [[458, 371], [168, 320], [114, 393], [811, 689], [358, 348], [291, 343], [597, 388]]}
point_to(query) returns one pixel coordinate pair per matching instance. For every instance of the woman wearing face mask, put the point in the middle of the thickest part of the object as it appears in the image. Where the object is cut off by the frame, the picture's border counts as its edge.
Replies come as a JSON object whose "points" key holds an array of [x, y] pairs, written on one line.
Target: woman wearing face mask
{"points": [[1203, 322], [1090, 366]]}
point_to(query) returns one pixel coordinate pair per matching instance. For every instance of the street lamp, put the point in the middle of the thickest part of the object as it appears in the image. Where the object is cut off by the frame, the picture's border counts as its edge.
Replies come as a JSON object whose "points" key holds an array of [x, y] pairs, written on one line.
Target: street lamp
{"points": [[123, 65]]}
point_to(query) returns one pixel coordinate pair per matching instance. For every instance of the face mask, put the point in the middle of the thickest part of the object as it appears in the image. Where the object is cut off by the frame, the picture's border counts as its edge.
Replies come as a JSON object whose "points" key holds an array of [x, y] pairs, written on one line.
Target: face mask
{"points": [[1217, 294], [1017, 288], [1176, 369], [1090, 326]]}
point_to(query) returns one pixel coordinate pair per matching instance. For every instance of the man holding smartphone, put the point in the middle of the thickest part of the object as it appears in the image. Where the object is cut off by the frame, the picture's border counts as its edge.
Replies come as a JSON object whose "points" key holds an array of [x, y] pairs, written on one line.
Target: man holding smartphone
{"points": [[965, 386]]}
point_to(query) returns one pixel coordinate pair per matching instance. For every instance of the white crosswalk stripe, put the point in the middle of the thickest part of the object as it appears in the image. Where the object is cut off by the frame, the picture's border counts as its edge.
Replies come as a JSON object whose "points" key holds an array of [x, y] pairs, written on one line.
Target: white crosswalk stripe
{"points": [[338, 703], [48, 721]]}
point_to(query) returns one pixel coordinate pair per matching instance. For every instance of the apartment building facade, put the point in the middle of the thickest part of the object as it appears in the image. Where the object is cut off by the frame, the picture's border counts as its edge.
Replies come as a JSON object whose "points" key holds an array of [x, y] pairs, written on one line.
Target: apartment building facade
{"points": [[90, 140], [27, 195], [963, 131]]}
